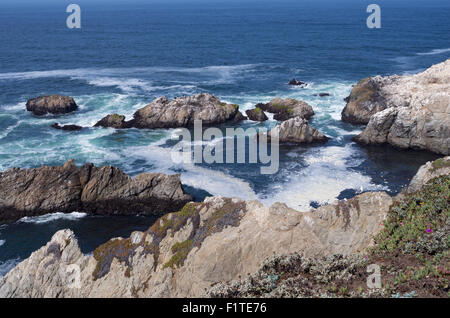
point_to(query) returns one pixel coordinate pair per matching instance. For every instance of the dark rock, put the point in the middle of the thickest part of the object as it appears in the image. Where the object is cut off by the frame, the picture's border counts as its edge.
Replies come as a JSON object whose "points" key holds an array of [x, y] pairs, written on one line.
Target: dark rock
{"points": [[53, 104], [67, 127], [112, 121], [256, 114], [294, 82], [105, 191]]}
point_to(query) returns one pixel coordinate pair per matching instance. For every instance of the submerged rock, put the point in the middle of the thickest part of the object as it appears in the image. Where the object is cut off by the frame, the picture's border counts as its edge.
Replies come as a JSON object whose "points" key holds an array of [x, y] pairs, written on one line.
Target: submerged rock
{"points": [[410, 111], [256, 114], [53, 104], [105, 190], [297, 130], [67, 127], [285, 109]]}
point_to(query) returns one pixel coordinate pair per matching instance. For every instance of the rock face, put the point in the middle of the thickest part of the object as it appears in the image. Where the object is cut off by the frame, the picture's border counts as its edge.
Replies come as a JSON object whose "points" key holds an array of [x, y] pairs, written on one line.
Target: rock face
{"points": [[112, 121], [256, 114], [185, 253], [285, 109], [297, 130], [105, 190], [53, 104], [427, 172], [67, 127], [179, 112], [406, 111], [406, 127]]}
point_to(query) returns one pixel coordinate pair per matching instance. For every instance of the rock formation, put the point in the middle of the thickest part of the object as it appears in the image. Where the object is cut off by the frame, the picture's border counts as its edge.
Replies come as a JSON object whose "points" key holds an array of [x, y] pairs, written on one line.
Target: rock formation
{"points": [[112, 121], [285, 109], [410, 111], [256, 114], [427, 172], [53, 104], [297, 130], [67, 127], [186, 252], [196, 251], [294, 82], [104, 190], [179, 112]]}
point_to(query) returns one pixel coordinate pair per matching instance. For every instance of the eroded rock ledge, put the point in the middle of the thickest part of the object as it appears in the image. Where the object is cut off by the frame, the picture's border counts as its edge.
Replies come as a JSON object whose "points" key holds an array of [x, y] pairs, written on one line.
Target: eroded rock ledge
{"points": [[410, 111], [95, 190]]}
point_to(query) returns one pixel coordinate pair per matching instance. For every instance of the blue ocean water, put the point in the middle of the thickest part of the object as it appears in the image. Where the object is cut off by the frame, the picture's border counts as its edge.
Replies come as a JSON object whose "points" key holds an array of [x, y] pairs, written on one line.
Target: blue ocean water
{"points": [[128, 53]]}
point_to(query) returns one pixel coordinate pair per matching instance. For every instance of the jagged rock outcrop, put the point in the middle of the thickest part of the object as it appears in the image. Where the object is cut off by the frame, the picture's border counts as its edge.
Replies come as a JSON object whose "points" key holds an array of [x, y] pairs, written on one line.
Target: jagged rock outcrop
{"points": [[427, 172], [427, 90], [179, 112], [52, 104], [285, 109], [406, 127], [187, 252], [256, 114], [297, 131], [67, 127], [410, 111], [104, 190]]}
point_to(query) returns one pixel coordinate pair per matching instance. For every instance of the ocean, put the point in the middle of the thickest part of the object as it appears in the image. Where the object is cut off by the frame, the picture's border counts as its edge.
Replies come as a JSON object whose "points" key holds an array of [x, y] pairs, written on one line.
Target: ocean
{"points": [[244, 52]]}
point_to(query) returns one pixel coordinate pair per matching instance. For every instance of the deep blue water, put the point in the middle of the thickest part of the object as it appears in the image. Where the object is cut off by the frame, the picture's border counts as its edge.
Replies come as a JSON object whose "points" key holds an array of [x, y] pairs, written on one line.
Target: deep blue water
{"points": [[125, 55]]}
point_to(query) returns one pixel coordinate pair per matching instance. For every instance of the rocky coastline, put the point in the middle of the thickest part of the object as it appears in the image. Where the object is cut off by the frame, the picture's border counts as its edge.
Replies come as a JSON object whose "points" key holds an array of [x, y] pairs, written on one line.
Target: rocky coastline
{"points": [[236, 237], [225, 247]]}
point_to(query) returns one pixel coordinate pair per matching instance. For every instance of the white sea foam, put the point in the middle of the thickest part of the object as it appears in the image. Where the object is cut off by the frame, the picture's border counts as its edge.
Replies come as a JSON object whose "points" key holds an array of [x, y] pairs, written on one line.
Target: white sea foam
{"points": [[224, 72], [435, 52], [325, 177], [52, 217], [6, 266], [2, 242], [214, 182]]}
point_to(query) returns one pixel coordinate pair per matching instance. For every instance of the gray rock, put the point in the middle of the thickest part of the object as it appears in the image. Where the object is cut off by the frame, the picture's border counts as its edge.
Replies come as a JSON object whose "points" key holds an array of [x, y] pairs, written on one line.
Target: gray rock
{"points": [[183, 111], [53, 104], [297, 130], [406, 111], [427, 172]]}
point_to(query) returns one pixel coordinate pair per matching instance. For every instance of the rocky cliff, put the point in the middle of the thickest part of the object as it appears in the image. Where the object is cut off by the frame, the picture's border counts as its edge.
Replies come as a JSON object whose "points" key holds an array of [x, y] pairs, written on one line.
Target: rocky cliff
{"points": [[96, 190], [410, 111], [187, 253]]}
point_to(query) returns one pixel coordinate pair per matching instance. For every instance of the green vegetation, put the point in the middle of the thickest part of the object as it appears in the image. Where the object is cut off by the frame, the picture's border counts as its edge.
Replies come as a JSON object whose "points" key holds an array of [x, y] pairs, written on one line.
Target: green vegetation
{"points": [[180, 252], [440, 164], [412, 251]]}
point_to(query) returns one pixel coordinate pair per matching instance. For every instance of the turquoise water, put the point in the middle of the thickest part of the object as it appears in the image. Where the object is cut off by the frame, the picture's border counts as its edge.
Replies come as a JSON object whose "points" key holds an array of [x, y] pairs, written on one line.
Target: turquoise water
{"points": [[243, 52]]}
